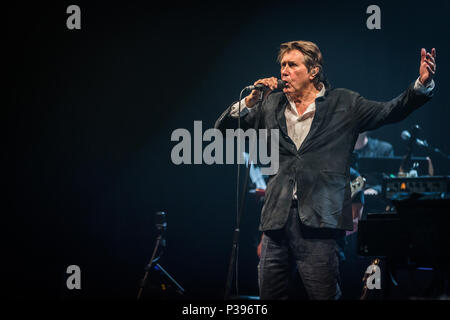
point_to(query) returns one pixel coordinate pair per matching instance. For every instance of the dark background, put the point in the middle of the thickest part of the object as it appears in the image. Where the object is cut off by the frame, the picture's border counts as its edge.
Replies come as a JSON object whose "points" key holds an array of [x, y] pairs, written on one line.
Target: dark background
{"points": [[90, 113]]}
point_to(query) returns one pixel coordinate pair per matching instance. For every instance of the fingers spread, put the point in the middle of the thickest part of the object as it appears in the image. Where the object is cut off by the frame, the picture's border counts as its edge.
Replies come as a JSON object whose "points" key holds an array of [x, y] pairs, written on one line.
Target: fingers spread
{"points": [[423, 53], [430, 64]]}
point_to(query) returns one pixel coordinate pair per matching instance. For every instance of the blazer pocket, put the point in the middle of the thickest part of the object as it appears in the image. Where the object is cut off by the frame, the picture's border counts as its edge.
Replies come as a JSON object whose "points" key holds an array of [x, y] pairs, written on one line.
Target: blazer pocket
{"points": [[329, 194]]}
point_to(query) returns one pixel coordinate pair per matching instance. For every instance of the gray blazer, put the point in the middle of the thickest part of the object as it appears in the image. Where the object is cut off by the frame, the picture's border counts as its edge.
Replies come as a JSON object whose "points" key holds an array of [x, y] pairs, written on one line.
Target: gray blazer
{"points": [[321, 166]]}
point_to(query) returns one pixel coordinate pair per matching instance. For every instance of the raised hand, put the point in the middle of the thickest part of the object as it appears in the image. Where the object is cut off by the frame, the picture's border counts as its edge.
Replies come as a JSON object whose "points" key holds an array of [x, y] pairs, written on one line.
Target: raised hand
{"points": [[427, 68]]}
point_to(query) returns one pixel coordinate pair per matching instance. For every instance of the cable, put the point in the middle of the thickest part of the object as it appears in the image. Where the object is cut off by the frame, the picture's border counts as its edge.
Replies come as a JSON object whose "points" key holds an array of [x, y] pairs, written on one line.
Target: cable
{"points": [[239, 205], [238, 153]]}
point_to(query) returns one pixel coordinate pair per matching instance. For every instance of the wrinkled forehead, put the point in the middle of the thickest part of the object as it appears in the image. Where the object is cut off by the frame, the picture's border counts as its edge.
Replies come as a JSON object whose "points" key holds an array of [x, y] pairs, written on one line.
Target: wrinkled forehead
{"points": [[293, 55]]}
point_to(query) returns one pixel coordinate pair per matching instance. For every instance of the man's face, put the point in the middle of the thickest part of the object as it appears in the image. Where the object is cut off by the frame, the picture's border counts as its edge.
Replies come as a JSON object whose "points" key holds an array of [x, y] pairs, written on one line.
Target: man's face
{"points": [[294, 72]]}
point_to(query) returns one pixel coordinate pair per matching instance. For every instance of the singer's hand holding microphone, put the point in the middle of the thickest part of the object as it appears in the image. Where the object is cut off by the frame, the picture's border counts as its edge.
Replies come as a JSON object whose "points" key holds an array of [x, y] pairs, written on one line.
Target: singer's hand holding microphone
{"points": [[267, 85]]}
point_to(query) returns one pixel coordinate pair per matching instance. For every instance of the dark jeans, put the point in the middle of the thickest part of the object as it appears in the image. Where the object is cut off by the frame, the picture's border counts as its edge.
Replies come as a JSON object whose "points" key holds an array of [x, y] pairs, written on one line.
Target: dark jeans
{"points": [[313, 252]]}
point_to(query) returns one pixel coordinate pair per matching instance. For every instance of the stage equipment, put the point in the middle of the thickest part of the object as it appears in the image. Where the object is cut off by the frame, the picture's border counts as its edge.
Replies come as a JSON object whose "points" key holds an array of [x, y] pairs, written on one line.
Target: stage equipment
{"points": [[164, 278]]}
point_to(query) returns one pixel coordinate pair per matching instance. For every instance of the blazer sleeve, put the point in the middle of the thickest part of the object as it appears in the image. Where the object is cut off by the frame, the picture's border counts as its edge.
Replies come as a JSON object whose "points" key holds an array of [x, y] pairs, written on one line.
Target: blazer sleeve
{"points": [[226, 121], [370, 115]]}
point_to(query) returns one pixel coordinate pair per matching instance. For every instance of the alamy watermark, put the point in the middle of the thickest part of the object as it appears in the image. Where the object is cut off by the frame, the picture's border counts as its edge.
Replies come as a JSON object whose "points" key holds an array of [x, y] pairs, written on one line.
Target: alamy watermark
{"points": [[213, 153], [74, 20], [374, 20], [74, 279], [374, 279]]}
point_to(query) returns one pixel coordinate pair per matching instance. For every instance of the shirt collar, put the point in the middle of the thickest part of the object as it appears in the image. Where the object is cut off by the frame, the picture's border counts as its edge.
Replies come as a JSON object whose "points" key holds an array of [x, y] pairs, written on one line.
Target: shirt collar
{"points": [[322, 91], [312, 106]]}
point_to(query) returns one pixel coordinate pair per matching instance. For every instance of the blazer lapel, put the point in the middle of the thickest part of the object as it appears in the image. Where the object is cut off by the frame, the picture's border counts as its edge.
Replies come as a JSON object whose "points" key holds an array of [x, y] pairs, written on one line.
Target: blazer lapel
{"points": [[318, 115], [281, 120]]}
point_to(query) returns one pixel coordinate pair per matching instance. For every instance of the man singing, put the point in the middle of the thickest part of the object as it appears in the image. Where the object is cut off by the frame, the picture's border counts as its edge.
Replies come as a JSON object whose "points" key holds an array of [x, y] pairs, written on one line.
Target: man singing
{"points": [[307, 202]]}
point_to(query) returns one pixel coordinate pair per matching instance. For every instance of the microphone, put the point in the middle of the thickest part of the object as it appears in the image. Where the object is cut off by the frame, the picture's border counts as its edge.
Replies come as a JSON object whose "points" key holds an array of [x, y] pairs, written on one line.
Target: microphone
{"points": [[280, 85], [407, 137]]}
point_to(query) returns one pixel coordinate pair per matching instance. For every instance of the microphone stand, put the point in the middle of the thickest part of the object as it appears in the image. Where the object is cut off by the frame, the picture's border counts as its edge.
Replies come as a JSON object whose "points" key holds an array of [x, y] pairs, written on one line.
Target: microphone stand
{"points": [[405, 165], [179, 289], [436, 150], [161, 226], [405, 161], [234, 250], [143, 282], [413, 141]]}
